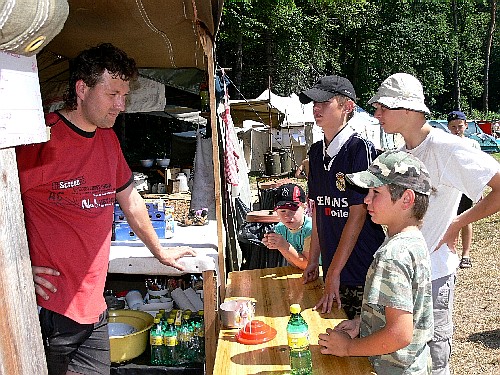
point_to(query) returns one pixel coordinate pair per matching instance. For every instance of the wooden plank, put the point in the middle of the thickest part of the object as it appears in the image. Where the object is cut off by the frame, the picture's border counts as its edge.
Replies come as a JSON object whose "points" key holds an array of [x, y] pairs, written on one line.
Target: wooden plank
{"points": [[21, 350], [210, 307], [274, 290]]}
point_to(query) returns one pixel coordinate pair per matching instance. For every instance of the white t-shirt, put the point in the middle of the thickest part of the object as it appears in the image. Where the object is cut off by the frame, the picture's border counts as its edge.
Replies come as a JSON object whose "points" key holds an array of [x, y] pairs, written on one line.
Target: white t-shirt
{"points": [[455, 168]]}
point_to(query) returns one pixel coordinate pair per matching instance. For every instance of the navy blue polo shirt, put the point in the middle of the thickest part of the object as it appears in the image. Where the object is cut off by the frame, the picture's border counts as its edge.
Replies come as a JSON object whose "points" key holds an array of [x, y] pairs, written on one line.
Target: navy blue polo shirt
{"points": [[333, 196]]}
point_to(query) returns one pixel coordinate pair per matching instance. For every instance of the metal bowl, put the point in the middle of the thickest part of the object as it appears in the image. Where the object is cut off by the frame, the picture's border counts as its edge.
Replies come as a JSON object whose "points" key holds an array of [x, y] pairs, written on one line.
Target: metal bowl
{"points": [[125, 348], [147, 163], [164, 163]]}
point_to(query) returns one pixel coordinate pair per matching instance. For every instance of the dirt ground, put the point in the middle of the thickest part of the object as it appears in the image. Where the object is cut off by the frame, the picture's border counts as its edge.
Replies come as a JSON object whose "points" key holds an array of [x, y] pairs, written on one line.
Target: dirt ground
{"points": [[476, 315]]}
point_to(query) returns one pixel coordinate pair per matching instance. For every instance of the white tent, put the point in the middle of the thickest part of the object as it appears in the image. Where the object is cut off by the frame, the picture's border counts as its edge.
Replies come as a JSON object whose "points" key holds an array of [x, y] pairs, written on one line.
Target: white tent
{"points": [[298, 130]]}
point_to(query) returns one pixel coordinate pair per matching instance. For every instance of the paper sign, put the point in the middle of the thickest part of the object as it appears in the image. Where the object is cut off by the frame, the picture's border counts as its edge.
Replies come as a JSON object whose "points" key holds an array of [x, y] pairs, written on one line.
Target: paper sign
{"points": [[21, 113]]}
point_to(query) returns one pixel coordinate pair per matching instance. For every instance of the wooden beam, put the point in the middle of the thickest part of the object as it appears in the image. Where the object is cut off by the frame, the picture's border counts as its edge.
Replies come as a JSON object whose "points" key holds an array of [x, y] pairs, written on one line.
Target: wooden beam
{"points": [[21, 349], [208, 46]]}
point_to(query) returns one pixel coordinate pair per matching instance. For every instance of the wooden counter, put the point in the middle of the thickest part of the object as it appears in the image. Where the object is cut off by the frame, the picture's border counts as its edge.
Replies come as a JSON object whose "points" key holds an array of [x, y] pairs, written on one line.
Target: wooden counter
{"points": [[275, 289], [132, 257]]}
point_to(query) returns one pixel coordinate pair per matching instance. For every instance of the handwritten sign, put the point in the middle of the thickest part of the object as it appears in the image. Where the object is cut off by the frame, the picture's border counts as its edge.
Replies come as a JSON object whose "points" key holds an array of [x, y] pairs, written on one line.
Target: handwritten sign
{"points": [[21, 113]]}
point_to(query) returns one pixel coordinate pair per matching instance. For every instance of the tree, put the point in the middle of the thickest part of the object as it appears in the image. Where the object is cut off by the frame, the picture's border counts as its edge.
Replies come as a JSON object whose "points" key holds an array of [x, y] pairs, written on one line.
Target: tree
{"points": [[489, 41]]}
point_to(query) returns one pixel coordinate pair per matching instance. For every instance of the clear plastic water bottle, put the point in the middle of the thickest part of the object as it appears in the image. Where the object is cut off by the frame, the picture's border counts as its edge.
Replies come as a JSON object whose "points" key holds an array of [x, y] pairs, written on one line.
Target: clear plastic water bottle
{"points": [[156, 342], [170, 344], [298, 343]]}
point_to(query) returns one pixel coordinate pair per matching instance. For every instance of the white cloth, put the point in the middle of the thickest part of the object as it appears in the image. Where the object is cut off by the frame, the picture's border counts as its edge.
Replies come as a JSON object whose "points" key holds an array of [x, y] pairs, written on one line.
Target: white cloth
{"points": [[454, 168]]}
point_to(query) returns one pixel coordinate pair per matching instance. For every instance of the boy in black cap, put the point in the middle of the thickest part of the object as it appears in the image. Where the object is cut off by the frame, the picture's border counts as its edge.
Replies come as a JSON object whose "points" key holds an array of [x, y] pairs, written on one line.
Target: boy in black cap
{"points": [[342, 233], [457, 123], [292, 235]]}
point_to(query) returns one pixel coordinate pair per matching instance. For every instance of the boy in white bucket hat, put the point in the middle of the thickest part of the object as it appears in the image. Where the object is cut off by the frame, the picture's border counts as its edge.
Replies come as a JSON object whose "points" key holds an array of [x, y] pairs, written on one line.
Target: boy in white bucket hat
{"points": [[454, 168]]}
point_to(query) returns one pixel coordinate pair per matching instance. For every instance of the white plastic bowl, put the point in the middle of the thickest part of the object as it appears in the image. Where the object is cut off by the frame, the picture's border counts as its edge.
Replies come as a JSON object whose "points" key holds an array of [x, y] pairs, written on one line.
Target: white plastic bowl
{"points": [[120, 329]]}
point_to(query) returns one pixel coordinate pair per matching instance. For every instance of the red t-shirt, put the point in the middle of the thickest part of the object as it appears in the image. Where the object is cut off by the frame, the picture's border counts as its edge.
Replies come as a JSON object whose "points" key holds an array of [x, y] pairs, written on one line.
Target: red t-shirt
{"points": [[68, 189]]}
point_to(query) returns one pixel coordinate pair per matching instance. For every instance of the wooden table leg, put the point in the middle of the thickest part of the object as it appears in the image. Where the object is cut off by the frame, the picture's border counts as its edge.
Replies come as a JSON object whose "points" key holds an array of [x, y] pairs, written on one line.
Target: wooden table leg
{"points": [[210, 309]]}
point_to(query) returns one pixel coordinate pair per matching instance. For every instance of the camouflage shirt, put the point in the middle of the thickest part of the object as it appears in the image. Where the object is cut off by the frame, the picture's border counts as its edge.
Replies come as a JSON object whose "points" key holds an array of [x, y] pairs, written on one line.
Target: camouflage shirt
{"points": [[400, 277]]}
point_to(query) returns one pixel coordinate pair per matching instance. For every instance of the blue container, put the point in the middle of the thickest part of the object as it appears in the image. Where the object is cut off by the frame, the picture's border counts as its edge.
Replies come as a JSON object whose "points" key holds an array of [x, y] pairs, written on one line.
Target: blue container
{"points": [[159, 227], [123, 232], [157, 216]]}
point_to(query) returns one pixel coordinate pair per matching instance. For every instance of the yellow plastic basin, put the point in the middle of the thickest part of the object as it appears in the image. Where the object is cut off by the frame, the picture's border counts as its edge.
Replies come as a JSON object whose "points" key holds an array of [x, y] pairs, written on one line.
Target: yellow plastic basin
{"points": [[124, 348]]}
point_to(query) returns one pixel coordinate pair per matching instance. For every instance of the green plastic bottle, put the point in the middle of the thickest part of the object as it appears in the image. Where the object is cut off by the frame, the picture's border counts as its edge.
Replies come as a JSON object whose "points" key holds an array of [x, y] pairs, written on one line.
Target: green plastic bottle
{"points": [[156, 342], [298, 343], [185, 335], [199, 337], [170, 344]]}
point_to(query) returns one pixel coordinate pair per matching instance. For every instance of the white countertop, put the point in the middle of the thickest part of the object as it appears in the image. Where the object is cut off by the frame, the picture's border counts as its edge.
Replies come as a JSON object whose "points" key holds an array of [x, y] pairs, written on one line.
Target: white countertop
{"points": [[133, 257]]}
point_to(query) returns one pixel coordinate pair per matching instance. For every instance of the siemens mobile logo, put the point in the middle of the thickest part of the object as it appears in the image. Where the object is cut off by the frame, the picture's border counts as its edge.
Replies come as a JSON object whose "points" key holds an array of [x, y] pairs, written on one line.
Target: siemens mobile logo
{"points": [[333, 202], [335, 207], [67, 184]]}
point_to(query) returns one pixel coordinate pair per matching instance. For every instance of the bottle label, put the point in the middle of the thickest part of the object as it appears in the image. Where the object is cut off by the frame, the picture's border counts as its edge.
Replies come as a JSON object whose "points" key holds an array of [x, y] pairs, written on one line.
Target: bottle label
{"points": [[156, 340], [170, 340], [298, 340]]}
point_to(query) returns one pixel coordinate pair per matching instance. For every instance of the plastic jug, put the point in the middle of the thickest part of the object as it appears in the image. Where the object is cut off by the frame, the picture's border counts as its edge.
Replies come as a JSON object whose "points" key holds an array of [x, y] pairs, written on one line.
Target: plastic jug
{"points": [[183, 186]]}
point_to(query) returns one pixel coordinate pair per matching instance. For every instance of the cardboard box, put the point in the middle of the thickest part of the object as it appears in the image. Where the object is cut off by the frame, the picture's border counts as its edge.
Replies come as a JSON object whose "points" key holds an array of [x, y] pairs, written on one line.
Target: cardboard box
{"points": [[173, 186], [171, 174]]}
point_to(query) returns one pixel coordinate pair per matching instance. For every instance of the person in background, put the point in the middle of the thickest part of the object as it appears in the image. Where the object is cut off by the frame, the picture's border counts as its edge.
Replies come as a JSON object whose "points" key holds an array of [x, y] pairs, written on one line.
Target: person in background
{"points": [[292, 235], [396, 317], [455, 169], [342, 232], [457, 123], [68, 188]]}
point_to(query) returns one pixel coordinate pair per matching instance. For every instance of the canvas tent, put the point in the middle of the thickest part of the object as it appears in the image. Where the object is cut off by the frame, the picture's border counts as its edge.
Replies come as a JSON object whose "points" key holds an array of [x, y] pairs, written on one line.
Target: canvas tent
{"points": [[296, 129]]}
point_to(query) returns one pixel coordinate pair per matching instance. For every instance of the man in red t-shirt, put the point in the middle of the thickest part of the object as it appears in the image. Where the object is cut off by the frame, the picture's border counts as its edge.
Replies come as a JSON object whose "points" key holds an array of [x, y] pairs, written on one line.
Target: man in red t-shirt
{"points": [[68, 187]]}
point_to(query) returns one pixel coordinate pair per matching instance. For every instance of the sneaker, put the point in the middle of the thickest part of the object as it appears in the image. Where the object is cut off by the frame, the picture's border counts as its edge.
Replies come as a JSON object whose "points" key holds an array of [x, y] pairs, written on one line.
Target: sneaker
{"points": [[465, 263]]}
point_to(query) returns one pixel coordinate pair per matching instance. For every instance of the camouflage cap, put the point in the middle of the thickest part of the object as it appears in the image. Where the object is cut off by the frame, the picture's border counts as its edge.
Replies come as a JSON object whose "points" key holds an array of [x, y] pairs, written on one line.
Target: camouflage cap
{"points": [[394, 167]]}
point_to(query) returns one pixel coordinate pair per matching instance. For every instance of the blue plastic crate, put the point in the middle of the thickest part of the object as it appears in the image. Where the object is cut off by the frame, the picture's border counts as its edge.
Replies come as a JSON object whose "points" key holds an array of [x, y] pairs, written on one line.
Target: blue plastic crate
{"points": [[123, 232], [159, 227]]}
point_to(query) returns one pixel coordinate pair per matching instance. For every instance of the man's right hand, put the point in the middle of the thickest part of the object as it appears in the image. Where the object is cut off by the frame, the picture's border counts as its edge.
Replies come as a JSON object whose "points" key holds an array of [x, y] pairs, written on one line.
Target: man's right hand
{"points": [[42, 284]]}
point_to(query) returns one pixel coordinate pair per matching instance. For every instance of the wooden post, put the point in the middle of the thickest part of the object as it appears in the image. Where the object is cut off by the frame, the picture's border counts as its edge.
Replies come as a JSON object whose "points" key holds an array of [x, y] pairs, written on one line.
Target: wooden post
{"points": [[207, 44], [21, 349]]}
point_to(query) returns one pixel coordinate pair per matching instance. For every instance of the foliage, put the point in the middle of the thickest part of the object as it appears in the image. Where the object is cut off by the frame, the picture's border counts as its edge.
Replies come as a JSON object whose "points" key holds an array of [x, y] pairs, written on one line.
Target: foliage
{"points": [[291, 43]]}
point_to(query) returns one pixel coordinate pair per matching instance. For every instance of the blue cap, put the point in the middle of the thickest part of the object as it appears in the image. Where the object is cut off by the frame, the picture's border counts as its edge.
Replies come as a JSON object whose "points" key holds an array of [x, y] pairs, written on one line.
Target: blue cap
{"points": [[456, 115]]}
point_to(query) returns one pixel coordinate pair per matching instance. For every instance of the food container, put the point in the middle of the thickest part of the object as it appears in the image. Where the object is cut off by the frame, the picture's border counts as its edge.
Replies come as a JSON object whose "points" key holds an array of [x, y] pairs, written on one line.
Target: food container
{"points": [[164, 163], [235, 313], [124, 348], [147, 163]]}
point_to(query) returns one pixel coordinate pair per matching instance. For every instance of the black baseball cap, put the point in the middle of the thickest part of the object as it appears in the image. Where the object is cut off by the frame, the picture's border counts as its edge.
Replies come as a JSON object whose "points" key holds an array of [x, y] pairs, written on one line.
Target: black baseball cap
{"points": [[289, 196], [326, 88], [456, 115]]}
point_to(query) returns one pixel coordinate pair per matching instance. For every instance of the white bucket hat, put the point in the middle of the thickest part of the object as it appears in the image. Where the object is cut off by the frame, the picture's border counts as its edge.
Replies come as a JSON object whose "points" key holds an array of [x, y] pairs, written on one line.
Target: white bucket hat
{"points": [[401, 90]]}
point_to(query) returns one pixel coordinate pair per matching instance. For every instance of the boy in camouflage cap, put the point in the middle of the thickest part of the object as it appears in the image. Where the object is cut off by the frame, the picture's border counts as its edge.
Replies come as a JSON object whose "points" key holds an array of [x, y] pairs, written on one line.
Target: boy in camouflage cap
{"points": [[396, 319]]}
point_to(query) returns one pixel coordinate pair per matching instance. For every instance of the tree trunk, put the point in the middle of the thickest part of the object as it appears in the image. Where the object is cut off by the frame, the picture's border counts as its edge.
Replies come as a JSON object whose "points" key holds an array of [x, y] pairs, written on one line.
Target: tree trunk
{"points": [[489, 41], [239, 67], [456, 78]]}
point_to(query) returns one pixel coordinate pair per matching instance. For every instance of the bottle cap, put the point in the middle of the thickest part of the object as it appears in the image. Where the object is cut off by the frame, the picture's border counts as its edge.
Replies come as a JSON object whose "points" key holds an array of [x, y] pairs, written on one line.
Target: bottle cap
{"points": [[295, 308], [170, 320], [156, 320]]}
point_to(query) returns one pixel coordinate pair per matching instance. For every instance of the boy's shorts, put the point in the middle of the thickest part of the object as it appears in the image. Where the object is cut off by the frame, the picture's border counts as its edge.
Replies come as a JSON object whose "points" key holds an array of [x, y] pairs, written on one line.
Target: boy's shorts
{"points": [[351, 298], [81, 348]]}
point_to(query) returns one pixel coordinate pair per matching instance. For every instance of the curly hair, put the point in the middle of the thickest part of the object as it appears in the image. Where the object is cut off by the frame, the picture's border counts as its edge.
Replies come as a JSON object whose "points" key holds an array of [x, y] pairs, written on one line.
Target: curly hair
{"points": [[91, 63]]}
